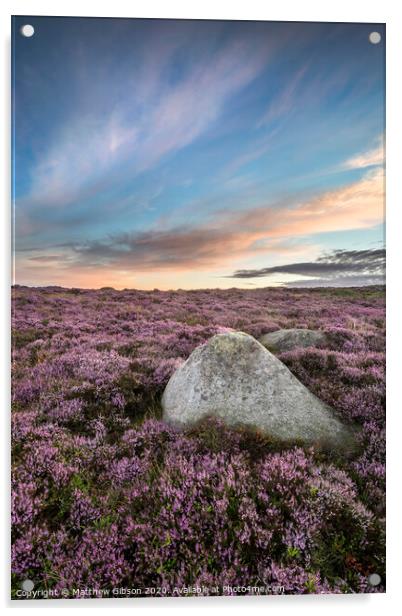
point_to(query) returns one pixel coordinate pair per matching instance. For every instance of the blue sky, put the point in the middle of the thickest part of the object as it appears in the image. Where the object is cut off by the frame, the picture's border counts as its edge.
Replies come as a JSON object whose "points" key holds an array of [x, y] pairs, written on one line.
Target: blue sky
{"points": [[176, 154]]}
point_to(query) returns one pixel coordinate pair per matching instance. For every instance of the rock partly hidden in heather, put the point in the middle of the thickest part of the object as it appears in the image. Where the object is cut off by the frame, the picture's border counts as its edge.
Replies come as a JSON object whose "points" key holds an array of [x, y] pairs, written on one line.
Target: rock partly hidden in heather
{"points": [[235, 378], [288, 339]]}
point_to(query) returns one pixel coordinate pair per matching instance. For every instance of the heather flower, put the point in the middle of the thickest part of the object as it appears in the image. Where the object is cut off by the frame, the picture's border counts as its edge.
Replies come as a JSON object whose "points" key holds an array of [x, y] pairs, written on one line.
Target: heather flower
{"points": [[105, 494]]}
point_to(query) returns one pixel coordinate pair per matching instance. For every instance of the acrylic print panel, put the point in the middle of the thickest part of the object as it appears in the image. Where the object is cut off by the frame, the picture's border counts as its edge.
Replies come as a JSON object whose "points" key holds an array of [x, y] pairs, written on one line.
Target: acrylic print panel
{"points": [[198, 308]]}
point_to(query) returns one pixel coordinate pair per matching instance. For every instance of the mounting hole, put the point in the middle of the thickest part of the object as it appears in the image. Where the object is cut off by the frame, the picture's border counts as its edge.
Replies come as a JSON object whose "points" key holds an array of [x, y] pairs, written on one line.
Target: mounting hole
{"points": [[374, 579], [28, 585], [375, 38], [27, 30]]}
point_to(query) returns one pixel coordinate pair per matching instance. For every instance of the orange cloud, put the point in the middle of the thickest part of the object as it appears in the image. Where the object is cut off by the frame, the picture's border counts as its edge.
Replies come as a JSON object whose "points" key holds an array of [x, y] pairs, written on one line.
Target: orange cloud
{"points": [[357, 206]]}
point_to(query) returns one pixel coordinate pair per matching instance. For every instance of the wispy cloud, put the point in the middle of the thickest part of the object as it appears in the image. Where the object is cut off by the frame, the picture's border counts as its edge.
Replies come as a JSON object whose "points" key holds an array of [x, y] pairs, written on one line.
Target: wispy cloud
{"points": [[287, 100], [84, 150], [94, 150], [371, 158]]}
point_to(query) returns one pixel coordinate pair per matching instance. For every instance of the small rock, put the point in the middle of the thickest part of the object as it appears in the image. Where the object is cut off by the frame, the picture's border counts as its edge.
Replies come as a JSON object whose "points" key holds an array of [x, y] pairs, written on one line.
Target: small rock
{"points": [[235, 378], [288, 339]]}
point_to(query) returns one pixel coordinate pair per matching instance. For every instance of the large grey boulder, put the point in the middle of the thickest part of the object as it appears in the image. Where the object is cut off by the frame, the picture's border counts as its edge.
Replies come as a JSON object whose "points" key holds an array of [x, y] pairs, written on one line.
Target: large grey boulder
{"points": [[288, 339], [235, 378]]}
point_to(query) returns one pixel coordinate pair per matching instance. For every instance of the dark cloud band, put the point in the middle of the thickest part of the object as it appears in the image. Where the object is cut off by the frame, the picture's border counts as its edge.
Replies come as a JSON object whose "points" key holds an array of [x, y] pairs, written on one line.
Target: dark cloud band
{"points": [[338, 267]]}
